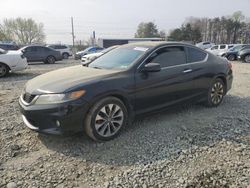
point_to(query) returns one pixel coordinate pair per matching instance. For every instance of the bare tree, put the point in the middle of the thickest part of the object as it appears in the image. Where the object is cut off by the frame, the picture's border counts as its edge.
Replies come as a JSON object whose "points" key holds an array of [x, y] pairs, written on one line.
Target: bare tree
{"points": [[21, 30]]}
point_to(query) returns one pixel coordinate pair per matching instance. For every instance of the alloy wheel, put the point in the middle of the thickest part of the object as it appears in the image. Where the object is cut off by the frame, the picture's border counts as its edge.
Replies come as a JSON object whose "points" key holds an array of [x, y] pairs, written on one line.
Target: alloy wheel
{"points": [[109, 120], [51, 60], [217, 93]]}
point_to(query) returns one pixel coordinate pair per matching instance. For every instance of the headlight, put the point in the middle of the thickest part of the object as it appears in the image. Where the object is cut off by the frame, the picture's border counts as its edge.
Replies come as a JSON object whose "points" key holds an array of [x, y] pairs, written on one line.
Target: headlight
{"points": [[59, 98]]}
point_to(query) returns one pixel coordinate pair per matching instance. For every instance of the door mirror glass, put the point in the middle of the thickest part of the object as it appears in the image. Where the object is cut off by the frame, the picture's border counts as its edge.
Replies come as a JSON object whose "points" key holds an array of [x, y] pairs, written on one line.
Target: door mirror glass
{"points": [[152, 67]]}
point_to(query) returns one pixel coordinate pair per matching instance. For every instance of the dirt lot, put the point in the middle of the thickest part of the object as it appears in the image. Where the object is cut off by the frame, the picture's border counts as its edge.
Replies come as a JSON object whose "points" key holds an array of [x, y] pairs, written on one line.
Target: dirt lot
{"points": [[189, 146]]}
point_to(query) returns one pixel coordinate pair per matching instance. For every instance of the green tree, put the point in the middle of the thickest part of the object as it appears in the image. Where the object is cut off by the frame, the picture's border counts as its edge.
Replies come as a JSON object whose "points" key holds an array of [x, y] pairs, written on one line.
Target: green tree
{"points": [[21, 30], [147, 30], [185, 33]]}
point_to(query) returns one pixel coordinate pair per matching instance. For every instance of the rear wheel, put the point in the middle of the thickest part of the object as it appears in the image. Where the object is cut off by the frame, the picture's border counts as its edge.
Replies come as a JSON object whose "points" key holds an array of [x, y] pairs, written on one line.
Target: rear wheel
{"points": [[65, 55], [231, 57], [247, 58], [106, 119], [216, 93], [51, 60], [4, 70]]}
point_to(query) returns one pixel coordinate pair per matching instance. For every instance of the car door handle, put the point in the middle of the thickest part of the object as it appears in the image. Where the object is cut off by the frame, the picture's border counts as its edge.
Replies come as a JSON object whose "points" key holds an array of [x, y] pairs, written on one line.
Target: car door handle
{"points": [[187, 70]]}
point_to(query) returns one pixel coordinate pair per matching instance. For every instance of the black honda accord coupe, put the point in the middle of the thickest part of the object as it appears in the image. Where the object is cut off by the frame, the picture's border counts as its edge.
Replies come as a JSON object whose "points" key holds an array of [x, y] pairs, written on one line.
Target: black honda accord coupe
{"points": [[129, 80]]}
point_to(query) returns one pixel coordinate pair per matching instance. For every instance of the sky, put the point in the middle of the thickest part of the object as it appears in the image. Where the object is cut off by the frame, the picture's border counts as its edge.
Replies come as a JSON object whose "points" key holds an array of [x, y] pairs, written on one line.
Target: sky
{"points": [[113, 18]]}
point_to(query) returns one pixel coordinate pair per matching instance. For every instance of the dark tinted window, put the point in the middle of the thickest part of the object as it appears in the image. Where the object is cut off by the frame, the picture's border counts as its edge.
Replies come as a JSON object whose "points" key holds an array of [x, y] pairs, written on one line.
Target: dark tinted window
{"points": [[214, 48], [31, 49], [169, 56], [222, 46], [195, 55], [61, 47], [45, 49], [205, 43]]}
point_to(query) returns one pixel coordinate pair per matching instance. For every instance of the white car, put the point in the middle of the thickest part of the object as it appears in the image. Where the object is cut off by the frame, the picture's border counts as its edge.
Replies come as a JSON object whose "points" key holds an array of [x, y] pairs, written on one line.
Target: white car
{"points": [[86, 59], [204, 45], [220, 49], [11, 61], [64, 49]]}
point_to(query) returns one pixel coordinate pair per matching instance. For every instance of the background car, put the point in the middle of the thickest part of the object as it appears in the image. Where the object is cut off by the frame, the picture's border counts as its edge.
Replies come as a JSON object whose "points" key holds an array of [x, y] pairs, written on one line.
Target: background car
{"points": [[41, 53], [89, 50], [232, 53], [133, 79], [244, 54], [87, 59], [8, 46], [204, 45], [64, 49], [220, 49], [11, 61]]}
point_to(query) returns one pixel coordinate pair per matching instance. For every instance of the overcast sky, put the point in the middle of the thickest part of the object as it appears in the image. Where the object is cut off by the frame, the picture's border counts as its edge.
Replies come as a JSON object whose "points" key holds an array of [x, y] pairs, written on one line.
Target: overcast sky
{"points": [[114, 18]]}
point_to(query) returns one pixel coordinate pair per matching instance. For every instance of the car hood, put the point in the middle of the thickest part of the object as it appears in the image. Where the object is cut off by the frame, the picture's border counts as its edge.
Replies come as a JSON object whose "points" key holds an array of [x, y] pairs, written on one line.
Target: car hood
{"points": [[65, 79], [14, 52]]}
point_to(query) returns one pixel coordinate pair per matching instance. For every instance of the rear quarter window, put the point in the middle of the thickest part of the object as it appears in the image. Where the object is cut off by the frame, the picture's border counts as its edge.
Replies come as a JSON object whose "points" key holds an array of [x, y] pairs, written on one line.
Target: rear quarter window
{"points": [[195, 55]]}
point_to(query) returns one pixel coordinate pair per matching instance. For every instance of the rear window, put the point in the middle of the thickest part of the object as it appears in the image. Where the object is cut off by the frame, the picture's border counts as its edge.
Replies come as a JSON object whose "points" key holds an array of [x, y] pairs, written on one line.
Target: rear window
{"points": [[195, 55]]}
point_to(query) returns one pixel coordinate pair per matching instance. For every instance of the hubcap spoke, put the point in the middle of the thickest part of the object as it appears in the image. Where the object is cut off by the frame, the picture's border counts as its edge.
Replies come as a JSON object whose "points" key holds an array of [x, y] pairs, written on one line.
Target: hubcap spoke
{"points": [[109, 120], [217, 93]]}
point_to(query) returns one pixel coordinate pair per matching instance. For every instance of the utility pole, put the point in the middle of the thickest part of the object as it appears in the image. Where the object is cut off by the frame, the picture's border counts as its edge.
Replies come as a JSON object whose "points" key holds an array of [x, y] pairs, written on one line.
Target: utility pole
{"points": [[73, 33], [93, 42]]}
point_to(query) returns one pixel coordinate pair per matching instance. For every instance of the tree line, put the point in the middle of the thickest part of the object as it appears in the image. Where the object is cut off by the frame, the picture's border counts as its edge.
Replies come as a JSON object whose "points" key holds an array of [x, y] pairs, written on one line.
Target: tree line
{"points": [[226, 29]]}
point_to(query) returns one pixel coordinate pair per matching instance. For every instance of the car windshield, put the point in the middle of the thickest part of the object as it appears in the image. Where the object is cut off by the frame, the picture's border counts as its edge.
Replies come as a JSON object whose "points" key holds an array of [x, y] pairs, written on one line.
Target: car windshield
{"points": [[120, 58], [236, 48]]}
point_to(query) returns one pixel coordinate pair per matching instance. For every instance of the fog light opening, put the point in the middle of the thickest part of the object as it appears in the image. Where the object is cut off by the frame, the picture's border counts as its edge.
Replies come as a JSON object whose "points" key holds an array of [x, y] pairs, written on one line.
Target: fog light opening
{"points": [[58, 124]]}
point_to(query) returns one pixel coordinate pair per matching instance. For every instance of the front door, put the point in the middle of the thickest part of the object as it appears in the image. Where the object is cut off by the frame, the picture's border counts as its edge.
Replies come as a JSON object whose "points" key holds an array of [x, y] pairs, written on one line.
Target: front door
{"points": [[155, 90]]}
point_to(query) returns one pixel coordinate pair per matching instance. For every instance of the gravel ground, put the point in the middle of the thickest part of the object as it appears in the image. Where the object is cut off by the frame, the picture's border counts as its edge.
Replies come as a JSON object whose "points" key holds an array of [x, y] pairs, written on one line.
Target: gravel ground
{"points": [[188, 146]]}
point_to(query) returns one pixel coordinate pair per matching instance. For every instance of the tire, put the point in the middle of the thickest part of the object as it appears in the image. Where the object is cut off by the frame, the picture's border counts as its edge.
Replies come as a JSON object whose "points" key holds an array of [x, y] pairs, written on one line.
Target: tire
{"points": [[216, 93], [247, 58], [231, 57], [105, 119], [65, 55], [4, 70], [50, 59]]}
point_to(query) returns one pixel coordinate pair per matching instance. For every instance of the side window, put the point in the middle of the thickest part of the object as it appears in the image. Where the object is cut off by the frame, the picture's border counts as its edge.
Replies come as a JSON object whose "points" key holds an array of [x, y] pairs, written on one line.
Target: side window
{"points": [[206, 43], [45, 49], [31, 49], [169, 56], [222, 47], [63, 47], [195, 55], [214, 48]]}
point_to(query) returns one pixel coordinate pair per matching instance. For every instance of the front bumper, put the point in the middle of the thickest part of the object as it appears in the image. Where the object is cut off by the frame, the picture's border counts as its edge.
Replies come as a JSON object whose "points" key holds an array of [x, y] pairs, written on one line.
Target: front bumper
{"points": [[64, 118]]}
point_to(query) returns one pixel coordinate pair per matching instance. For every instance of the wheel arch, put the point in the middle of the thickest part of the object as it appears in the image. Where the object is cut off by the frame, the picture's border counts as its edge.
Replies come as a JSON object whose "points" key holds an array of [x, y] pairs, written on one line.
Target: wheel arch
{"points": [[223, 78], [119, 96], [6, 65]]}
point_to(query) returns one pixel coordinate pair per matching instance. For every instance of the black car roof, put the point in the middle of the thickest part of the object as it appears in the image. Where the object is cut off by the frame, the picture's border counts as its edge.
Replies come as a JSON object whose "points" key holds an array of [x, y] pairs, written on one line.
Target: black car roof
{"points": [[154, 44]]}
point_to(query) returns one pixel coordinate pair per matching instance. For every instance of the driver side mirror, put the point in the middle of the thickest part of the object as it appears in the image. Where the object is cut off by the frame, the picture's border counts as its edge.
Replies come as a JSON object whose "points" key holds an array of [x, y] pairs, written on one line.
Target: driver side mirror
{"points": [[152, 67]]}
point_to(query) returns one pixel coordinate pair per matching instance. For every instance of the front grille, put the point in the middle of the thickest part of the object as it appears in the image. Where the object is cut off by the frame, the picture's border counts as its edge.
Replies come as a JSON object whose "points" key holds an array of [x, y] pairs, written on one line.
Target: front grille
{"points": [[27, 97]]}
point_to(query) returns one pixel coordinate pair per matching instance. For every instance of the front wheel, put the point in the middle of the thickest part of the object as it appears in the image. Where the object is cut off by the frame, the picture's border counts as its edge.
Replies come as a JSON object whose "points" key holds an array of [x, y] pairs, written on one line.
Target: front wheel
{"points": [[106, 119], [216, 93], [4, 70], [65, 55], [247, 59]]}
